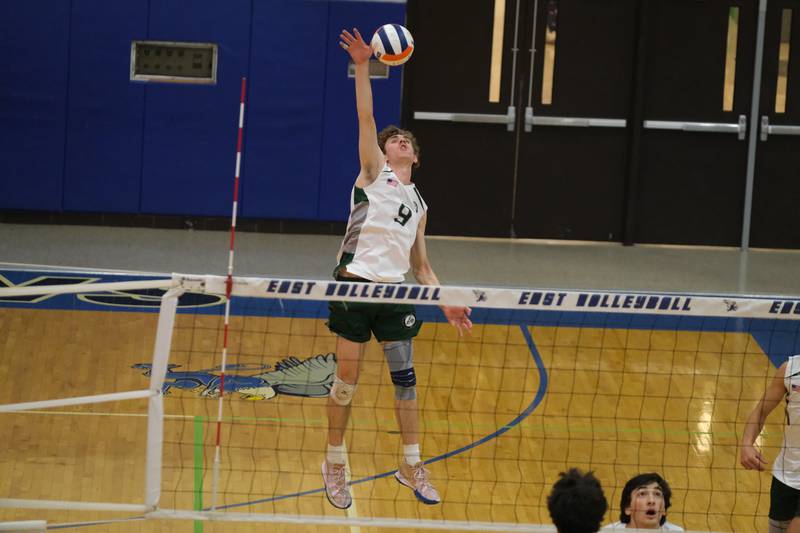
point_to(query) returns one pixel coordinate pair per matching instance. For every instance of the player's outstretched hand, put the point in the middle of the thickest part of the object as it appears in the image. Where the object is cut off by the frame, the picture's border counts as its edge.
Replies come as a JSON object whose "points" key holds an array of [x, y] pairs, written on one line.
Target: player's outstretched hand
{"points": [[752, 459], [458, 317], [354, 44]]}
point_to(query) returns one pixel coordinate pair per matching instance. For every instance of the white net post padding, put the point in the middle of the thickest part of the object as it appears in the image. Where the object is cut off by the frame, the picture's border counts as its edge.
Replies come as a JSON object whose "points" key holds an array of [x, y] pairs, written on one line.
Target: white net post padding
{"points": [[78, 400], [58, 505], [416, 524], [28, 525], [8, 292], [353, 522], [155, 409]]}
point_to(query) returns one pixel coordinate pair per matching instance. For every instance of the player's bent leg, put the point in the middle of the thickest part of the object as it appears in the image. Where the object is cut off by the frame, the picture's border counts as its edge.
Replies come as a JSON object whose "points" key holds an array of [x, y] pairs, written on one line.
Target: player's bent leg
{"points": [[348, 360], [399, 357], [412, 472]]}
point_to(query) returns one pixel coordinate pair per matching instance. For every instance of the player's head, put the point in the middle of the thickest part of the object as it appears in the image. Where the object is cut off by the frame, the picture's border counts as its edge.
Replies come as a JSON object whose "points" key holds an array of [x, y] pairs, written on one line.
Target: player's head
{"points": [[644, 502], [398, 144], [577, 503]]}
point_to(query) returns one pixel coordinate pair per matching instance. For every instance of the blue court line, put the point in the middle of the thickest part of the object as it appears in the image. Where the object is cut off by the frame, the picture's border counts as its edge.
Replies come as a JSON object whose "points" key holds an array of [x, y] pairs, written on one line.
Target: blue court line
{"points": [[519, 418]]}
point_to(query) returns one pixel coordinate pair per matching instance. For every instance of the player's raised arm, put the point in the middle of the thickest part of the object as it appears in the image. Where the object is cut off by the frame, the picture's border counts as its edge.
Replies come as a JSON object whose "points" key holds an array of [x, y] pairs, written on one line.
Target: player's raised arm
{"points": [[458, 317], [369, 153], [750, 456]]}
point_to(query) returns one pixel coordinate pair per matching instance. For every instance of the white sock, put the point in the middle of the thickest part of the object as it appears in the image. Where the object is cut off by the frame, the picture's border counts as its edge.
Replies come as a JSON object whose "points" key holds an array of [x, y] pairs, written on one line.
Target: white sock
{"points": [[336, 454], [411, 453]]}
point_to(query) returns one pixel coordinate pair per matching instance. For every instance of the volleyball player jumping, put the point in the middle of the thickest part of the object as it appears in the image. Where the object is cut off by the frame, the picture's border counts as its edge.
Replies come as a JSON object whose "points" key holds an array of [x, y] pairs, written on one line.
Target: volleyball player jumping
{"points": [[385, 236]]}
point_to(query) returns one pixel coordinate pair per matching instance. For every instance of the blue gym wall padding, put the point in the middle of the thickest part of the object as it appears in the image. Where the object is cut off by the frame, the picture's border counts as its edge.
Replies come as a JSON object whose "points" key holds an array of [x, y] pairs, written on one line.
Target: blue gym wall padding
{"points": [[190, 130], [34, 39], [285, 111], [80, 136], [105, 110]]}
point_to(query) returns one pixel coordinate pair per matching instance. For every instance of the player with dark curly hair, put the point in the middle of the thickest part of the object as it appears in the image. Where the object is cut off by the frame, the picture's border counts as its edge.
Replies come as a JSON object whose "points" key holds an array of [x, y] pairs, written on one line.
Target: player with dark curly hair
{"points": [[577, 503], [644, 503]]}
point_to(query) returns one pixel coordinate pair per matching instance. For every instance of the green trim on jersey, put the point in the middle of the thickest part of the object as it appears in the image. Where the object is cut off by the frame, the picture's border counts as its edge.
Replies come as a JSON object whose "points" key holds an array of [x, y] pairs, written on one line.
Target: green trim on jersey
{"points": [[343, 262], [359, 195]]}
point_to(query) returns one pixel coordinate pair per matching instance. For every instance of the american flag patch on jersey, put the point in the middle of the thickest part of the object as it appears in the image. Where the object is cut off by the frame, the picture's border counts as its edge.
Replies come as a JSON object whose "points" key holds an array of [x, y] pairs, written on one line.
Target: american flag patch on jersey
{"points": [[795, 388], [391, 181]]}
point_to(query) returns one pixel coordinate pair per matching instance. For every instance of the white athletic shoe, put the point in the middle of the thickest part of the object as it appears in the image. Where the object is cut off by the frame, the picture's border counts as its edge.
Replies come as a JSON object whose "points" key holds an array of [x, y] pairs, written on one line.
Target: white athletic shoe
{"points": [[336, 489], [416, 478]]}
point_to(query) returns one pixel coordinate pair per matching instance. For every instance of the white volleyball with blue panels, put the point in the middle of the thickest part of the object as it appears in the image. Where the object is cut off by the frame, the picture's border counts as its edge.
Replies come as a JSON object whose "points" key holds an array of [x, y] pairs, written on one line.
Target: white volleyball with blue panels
{"points": [[392, 44]]}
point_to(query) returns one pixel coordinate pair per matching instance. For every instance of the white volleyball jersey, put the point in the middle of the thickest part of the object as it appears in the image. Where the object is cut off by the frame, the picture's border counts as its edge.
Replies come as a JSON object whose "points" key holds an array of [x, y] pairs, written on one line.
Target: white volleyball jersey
{"points": [[787, 464], [384, 217], [666, 526]]}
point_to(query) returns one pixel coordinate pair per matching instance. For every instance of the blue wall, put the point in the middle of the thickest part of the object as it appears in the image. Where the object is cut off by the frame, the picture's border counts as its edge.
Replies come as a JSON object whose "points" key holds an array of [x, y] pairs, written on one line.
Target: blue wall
{"points": [[79, 136]]}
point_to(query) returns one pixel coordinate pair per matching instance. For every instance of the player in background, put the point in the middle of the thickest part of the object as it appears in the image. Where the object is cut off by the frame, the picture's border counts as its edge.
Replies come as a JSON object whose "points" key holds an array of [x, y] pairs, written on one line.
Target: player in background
{"points": [[644, 503], [577, 503], [784, 501]]}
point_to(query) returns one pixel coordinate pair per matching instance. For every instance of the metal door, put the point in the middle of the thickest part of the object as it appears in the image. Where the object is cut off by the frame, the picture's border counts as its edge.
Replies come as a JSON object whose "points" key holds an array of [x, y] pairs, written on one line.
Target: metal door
{"points": [[776, 186], [573, 154], [696, 98], [467, 144], [508, 166]]}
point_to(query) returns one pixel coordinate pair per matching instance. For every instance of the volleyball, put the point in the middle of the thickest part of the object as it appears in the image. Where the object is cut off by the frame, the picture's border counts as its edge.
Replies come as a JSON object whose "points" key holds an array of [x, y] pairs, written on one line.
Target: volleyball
{"points": [[392, 44]]}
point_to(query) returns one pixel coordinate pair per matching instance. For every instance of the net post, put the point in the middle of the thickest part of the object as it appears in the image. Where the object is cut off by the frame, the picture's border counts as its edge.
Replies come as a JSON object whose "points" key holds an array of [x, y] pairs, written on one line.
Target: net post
{"points": [[155, 411]]}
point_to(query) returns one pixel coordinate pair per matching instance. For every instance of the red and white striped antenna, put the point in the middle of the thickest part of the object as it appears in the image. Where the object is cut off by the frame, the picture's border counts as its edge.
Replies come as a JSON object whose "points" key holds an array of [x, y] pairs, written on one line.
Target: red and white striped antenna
{"points": [[228, 288]]}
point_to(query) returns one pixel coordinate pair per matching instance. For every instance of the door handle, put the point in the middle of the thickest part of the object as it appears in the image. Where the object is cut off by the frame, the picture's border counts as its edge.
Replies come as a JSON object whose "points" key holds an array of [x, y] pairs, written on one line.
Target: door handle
{"points": [[578, 122], [479, 118], [712, 127], [767, 130]]}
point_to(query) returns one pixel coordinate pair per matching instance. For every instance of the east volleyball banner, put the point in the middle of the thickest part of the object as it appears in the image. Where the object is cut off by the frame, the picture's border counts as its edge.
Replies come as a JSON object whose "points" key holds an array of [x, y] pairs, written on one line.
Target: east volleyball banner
{"points": [[503, 298]]}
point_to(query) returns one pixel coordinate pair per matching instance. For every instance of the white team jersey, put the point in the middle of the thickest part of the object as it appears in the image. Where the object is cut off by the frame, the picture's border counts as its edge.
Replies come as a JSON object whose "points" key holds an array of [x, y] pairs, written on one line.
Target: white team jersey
{"points": [[787, 464], [382, 228], [666, 526]]}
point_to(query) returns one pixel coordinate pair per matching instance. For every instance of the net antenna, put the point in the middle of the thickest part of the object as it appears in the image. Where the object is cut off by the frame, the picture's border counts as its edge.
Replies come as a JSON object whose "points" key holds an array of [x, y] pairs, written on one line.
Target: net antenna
{"points": [[228, 289]]}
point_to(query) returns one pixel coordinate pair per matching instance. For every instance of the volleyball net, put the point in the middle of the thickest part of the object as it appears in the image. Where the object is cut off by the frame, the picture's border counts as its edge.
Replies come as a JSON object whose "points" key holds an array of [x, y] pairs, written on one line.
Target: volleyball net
{"points": [[116, 415]]}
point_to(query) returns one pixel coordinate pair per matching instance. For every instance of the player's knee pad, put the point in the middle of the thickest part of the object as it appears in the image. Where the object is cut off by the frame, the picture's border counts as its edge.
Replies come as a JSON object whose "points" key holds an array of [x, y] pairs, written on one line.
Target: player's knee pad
{"points": [[399, 356], [778, 526], [341, 392], [405, 384]]}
